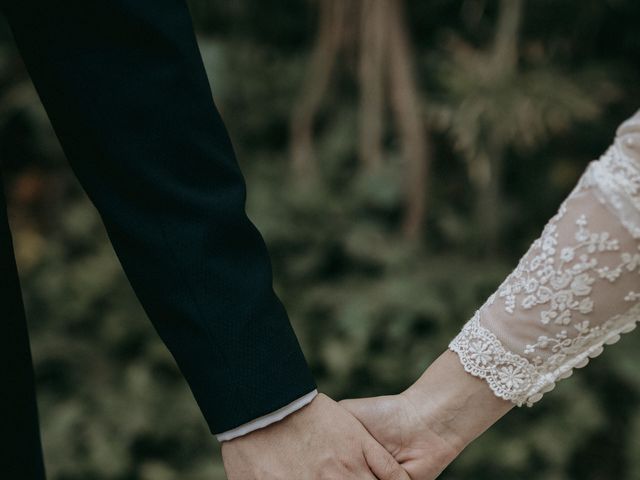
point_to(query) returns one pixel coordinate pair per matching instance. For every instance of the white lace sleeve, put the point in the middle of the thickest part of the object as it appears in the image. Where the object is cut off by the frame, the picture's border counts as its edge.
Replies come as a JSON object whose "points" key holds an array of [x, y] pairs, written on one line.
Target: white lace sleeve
{"points": [[575, 290]]}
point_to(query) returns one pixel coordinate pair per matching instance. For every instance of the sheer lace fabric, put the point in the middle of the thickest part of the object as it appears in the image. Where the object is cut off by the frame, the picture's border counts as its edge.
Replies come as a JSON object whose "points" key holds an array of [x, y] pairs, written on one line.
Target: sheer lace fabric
{"points": [[575, 290]]}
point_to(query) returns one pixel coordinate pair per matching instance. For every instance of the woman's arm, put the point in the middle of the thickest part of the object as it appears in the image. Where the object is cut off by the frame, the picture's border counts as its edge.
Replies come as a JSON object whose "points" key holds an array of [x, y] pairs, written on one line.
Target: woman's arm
{"points": [[575, 291]]}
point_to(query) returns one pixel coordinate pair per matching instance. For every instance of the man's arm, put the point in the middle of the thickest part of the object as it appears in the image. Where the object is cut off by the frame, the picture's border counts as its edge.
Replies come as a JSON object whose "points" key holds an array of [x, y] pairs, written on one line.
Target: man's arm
{"points": [[126, 91]]}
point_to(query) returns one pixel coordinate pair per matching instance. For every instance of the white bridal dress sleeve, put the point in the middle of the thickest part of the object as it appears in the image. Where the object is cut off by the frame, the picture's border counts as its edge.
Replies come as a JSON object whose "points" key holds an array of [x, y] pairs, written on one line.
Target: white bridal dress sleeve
{"points": [[576, 290]]}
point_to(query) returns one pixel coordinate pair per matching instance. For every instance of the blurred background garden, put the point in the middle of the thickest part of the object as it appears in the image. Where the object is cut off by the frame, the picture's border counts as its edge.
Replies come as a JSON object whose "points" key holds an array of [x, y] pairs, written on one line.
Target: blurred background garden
{"points": [[400, 157]]}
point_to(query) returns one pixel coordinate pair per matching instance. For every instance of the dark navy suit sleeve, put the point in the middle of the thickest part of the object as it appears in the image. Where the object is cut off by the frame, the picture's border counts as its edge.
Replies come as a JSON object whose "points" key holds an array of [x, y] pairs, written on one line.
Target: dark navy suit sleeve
{"points": [[126, 91]]}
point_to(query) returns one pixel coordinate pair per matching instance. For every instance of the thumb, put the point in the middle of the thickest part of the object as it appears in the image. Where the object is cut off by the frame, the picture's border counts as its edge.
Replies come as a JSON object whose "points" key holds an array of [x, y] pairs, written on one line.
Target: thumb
{"points": [[361, 408], [369, 411], [380, 416], [381, 463]]}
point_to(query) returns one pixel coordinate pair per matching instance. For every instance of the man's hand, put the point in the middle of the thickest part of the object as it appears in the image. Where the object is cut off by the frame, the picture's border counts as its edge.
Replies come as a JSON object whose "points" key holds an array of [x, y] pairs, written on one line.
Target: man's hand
{"points": [[321, 441]]}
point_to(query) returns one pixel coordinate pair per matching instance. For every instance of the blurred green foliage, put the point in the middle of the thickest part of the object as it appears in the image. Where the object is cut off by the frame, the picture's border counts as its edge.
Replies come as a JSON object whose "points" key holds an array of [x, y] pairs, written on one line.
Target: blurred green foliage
{"points": [[371, 308]]}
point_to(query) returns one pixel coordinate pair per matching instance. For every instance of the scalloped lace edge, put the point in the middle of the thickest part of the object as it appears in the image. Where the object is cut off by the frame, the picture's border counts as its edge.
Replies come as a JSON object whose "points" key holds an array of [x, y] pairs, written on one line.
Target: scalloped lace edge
{"points": [[511, 376]]}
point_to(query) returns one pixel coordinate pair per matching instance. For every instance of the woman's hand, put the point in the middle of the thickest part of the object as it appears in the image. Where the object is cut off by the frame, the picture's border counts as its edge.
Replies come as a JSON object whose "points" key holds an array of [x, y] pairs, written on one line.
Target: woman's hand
{"points": [[404, 431], [427, 426]]}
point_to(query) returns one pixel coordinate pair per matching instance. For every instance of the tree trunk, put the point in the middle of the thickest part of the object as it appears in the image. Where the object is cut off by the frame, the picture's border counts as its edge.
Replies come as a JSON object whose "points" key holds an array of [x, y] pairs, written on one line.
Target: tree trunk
{"points": [[386, 62], [323, 59], [504, 58], [373, 54], [405, 104], [505, 42]]}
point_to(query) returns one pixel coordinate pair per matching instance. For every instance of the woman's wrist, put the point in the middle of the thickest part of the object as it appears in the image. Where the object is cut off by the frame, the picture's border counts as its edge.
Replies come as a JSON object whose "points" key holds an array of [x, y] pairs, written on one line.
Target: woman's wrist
{"points": [[455, 405]]}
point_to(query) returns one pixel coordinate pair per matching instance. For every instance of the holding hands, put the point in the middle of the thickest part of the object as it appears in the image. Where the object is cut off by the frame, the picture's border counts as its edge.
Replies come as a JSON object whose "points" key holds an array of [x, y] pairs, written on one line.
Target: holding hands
{"points": [[410, 436], [575, 291]]}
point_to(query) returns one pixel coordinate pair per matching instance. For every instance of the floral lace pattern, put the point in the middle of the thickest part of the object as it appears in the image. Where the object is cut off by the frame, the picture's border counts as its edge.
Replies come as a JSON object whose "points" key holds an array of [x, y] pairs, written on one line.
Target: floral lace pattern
{"points": [[560, 285], [617, 182], [550, 301]]}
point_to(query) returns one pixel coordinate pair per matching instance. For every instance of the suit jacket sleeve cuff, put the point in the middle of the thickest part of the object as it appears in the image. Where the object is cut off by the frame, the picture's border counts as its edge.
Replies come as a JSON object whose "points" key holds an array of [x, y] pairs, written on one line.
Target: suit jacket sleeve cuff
{"points": [[268, 419]]}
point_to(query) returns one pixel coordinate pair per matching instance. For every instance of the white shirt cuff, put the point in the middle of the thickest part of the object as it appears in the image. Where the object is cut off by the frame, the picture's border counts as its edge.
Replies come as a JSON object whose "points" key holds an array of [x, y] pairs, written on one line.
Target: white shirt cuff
{"points": [[267, 419]]}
